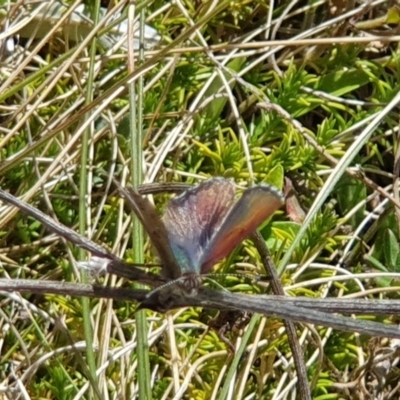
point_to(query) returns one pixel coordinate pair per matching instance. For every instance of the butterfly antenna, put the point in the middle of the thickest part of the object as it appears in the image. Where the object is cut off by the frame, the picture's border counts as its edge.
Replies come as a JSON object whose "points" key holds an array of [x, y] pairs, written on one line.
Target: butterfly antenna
{"points": [[157, 289], [257, 278]]}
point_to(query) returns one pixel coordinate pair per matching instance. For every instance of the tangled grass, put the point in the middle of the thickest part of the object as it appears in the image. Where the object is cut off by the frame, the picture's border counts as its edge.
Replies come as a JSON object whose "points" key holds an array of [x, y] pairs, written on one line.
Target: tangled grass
{"points": [[301, 96]]}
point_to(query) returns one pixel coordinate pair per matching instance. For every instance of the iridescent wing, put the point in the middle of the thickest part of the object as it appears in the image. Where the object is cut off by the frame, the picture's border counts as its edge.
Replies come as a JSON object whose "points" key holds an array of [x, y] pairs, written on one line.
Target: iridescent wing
{"points": [[254, 207], [193, 218], [154, 227]]}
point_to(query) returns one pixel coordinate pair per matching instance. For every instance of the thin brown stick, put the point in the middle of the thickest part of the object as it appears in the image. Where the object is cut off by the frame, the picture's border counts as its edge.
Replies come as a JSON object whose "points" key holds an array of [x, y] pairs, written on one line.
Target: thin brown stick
{"points": [[277, 288], [319, 312]]}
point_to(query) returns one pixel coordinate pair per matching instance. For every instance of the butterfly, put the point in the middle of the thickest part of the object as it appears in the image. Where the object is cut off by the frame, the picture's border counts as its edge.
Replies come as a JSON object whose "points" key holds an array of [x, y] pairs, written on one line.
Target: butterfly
{"points": [[203, 225]]}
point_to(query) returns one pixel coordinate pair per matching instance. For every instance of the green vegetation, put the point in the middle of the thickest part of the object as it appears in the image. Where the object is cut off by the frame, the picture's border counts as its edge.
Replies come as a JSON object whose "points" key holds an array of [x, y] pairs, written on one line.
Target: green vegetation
{"points": [[234, 89]]}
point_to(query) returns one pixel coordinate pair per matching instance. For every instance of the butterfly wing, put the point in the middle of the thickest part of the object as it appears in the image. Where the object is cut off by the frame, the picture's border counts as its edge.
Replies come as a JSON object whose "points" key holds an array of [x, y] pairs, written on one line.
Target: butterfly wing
{"points": [[254, 207], [154, 227], [193, 218]]}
